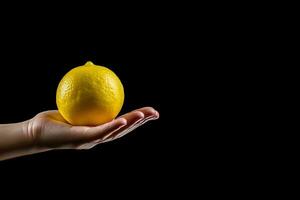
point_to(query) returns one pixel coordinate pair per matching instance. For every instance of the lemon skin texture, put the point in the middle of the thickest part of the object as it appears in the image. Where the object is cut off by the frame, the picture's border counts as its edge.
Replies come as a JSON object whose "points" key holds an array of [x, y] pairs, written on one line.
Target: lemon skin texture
{"points": [[89, 95]]}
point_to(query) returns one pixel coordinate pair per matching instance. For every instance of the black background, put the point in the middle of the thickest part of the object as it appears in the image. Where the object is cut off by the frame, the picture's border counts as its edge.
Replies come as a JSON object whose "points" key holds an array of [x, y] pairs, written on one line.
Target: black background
{"points": [[164, 58], [149, 61], [202, 67]]}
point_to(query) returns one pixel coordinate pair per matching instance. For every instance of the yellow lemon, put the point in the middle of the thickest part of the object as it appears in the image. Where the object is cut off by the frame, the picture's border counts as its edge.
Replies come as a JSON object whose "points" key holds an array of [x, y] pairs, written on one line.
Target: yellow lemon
{"points": [[89, 95]]}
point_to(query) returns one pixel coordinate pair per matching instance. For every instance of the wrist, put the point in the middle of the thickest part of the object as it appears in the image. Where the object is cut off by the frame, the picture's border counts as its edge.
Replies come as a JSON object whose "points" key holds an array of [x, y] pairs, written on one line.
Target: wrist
{"points": [[14, 140], [18, 139], [26, 136]]}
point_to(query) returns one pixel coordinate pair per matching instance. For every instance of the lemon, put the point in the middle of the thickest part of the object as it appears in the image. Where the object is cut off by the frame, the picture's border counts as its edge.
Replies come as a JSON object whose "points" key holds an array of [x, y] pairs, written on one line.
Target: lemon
{"points": [[89, 95]]}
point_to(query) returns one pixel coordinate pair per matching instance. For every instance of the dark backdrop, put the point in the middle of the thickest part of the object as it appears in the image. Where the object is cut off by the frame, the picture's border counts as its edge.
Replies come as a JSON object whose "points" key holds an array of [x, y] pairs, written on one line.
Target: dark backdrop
{"points": [[198, 65], [151, 70], [164, 62]]}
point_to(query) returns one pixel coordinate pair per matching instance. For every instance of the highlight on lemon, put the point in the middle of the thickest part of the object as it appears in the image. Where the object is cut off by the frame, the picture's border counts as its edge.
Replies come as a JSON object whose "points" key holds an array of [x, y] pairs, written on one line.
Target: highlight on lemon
{"points": [[89, 95]]}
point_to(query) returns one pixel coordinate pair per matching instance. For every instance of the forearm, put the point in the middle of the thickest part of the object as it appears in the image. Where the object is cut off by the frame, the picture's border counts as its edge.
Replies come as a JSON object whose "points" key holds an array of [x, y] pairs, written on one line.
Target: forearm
{"points": [[14, 140]]}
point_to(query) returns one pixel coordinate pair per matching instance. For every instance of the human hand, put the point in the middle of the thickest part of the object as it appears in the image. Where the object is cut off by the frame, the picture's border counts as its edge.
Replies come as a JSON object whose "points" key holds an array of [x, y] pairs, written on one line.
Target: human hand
{"points": [[48, 130]]}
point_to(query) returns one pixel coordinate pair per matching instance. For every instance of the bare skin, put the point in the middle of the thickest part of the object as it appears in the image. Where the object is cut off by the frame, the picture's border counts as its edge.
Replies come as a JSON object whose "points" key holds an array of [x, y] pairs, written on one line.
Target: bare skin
{"points": [[48, 131]]}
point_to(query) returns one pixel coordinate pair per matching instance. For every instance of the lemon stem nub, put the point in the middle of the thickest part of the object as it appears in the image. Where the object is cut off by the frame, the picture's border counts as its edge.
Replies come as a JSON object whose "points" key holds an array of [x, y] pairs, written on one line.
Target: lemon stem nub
{"points": [[89, 63]]}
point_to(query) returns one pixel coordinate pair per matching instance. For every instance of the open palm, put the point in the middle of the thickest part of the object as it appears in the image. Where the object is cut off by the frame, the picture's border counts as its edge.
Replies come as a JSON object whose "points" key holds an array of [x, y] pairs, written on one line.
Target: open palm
{"points": [[48, 130]]}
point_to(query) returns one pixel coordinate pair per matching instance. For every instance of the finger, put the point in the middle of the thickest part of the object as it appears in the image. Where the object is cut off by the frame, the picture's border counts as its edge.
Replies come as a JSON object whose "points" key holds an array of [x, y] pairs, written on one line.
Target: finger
{"points": [[132, 114], [119, 134], [126, 129], [85, 134], [103, 138], [86, 146], [132, 118], [134, 126], [99, 132], [149, 113], [153, 117]]}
